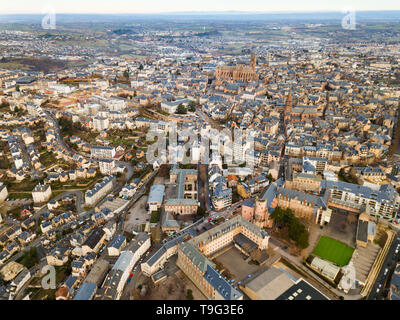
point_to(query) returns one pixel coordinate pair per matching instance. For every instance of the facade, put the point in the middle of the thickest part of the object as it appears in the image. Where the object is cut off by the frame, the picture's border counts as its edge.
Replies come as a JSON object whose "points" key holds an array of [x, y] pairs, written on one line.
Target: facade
{"points": [[3, 193], [313, 165], [304, 182], [107, 166], [383, 203], [171, 106], [18, 283], [255, 211], [239, 72], [102, 152], [311, 207], [99, 190], [158, 259], [100, 123], [186, 199], [221, 197], [193, 261], [94, 241], [366, 230], [115, 246], [41, 193]]}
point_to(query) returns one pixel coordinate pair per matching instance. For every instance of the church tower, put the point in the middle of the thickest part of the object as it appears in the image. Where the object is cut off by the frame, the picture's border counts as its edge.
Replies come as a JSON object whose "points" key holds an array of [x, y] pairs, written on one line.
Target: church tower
{"points": [[253, 62]]}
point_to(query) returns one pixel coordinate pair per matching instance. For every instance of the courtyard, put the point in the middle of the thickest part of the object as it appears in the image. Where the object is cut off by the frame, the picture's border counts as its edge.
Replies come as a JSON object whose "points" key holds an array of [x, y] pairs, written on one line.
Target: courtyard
{"points": [[343, 226], [236, 264]]}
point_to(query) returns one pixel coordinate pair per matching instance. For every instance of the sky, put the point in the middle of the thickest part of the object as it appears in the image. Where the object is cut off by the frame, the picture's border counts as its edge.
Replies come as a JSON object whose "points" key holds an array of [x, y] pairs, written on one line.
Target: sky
{"points": [[161, 6]]}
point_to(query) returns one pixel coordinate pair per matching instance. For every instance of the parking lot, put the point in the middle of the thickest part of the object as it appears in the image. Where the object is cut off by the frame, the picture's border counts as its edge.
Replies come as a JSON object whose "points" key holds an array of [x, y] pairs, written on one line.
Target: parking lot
{"points": [[137, 215]]}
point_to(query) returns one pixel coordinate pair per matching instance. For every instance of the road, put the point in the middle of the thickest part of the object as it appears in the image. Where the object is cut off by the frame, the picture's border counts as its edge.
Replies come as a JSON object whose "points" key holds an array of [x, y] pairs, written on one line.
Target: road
{"points": [[383, 280]]}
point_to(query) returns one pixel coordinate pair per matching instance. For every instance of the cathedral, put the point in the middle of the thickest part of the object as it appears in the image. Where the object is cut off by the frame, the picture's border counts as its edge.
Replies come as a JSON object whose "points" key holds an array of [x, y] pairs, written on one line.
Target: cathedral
{"points": [[238, 72]]}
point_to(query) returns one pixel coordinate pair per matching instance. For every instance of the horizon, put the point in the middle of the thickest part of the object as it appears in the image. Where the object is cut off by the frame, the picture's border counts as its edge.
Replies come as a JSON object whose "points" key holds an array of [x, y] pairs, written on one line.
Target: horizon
{"points": [[17, 7], [199, 11]]}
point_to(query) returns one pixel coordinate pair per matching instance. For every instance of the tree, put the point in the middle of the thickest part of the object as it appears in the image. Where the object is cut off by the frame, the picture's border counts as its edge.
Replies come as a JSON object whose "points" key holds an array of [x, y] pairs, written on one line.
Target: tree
{"points": [[17, 87], [181, 109], [192, 106], [296, 230], [270, 178], [189, 294], [140, 67], [126, 74], [201, 211]]}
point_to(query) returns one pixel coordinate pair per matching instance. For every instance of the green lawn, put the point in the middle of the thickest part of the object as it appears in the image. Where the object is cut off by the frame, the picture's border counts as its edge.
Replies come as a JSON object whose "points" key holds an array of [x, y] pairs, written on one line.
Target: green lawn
{"points": [[333, 250]]}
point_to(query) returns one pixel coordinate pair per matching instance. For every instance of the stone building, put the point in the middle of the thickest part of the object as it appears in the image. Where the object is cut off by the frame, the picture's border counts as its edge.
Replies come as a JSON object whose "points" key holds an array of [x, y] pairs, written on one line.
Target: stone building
{"points": [[238, 72]]}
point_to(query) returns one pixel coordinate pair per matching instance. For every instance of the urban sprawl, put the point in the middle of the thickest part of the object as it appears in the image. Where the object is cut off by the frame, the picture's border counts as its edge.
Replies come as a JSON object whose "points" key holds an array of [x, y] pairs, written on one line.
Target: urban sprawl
{"points": [[122, 169]]}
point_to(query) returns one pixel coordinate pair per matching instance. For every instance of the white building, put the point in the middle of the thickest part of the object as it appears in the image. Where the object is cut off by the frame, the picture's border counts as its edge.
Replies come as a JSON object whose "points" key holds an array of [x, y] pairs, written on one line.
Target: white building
{"points": [[102, 152], [99, 190], [101, 123], [3, 193], [107, 166], [61, 88], [41, 193], [18, 283]]}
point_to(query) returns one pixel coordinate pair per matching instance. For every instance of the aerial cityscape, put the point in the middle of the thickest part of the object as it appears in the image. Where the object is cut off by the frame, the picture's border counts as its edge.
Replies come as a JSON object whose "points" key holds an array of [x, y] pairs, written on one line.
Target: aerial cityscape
{"points": [[200, 155]]}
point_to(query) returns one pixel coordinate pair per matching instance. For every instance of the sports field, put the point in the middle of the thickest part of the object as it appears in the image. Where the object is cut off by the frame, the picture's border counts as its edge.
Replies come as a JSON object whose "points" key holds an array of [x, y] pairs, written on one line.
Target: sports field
{"points": [[333, 251]]}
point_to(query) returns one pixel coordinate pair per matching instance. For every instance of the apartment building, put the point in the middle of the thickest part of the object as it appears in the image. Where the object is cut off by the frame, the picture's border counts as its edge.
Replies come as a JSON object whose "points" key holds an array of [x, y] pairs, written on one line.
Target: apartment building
{"points": [[3, 193], [221, 197], [101, 123], [99, 190], [383, 202], [102, 152], [107, 166], [41, 193]]}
